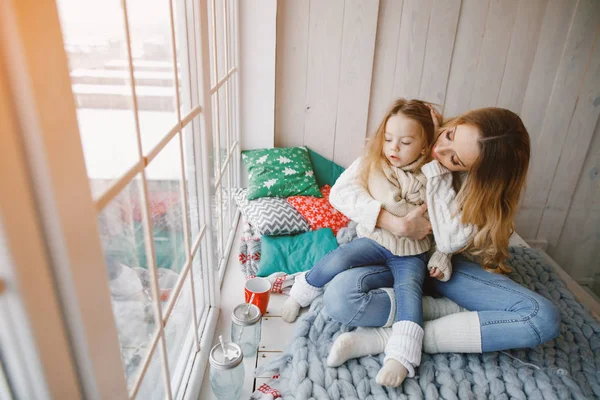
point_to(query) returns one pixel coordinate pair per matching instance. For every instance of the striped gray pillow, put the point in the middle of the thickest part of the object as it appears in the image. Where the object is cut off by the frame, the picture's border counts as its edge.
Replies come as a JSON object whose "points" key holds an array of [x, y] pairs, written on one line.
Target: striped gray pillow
{"points": [[270, 215]]}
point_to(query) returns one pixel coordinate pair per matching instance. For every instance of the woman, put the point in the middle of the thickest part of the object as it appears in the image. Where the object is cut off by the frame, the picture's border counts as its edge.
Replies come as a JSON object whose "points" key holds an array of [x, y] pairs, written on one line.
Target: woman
{"points": [[485, 155]]}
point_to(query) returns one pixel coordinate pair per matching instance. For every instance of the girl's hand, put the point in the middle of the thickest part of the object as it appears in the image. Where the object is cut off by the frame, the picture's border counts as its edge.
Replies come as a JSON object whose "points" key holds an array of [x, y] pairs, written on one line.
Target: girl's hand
{"points": [[436, 117], [416, 226], [436, 273]]}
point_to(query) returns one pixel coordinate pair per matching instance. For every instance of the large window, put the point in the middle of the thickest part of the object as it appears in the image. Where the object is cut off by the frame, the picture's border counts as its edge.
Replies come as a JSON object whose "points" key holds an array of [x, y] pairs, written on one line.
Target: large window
{"points": [[158, 128]]}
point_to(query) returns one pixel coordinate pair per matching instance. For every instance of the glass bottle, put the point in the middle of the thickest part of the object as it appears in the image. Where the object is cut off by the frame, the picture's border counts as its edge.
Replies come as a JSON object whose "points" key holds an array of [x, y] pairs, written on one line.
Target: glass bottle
{"points": [[226, 370], [246, 323]]}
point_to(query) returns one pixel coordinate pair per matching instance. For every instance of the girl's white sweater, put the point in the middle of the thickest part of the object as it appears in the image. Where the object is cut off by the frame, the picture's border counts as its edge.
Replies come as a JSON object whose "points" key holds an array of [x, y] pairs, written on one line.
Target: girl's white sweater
{"points": [[352, 199]]}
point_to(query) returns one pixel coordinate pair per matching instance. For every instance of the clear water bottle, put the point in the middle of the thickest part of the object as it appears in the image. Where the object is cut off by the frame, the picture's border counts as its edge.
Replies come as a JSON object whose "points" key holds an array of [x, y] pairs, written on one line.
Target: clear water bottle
{"points": [[246, 323], [226, 370]]}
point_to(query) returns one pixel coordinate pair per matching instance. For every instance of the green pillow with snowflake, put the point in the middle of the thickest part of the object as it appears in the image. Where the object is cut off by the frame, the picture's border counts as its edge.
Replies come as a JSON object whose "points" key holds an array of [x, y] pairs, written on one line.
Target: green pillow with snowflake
{"points": [[280, 172]]}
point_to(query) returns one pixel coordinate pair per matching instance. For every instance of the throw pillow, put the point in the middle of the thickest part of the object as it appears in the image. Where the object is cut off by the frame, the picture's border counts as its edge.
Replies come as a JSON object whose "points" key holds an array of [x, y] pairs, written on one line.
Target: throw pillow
{"points": [[280, 172], [270, 215], [291, 254], [326, 172], [319, 212]]}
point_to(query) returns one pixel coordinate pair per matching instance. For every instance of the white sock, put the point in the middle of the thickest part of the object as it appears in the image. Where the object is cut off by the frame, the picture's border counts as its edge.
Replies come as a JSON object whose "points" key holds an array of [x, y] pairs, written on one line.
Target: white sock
{"points": [[434, 308], [369, 341], [456, 333], [392, 374], [303, 292], [405, 345], [361, 342], [290, 310], [402, 354]]}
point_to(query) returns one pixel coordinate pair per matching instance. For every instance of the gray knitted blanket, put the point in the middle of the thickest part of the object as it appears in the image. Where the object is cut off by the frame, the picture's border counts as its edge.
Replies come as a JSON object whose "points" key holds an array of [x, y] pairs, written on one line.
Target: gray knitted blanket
{"points": [[565, 368]]}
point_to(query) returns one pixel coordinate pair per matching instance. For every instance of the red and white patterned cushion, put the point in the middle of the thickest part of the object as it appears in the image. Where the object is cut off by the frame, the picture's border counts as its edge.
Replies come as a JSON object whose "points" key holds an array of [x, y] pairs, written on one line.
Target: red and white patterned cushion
{"points": [[319, 212]]}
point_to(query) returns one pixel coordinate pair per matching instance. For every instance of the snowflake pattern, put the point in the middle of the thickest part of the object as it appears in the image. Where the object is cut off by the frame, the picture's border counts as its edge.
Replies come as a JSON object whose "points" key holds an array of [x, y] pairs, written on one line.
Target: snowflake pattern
{"points": [[310, 173], [319, 212]]}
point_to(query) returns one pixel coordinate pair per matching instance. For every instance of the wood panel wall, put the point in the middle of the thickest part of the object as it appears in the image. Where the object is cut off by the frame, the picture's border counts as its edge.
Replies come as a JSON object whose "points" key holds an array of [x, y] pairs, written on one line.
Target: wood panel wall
{"points": [[341, 62]]}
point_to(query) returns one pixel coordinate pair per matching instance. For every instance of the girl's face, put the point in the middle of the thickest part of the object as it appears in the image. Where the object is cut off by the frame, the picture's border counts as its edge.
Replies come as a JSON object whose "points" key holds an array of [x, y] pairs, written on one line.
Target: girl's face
{"points": [[404, 141], [457, 148]]}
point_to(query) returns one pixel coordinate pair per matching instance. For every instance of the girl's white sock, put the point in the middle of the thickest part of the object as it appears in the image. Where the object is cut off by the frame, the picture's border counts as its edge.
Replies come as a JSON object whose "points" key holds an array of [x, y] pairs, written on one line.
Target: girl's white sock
{"points": [[301, 295], [290, 310], [392, 374], [361, 342], [455, 333]]}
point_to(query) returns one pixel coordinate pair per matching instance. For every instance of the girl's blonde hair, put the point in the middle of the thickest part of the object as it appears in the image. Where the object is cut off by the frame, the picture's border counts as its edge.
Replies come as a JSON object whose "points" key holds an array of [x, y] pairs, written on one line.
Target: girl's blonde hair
{"points": [[414, 109], [489, 196]]}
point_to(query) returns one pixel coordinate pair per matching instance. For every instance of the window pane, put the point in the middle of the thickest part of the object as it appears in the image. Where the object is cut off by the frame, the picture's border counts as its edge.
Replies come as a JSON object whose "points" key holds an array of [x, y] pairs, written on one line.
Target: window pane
{"points": [[183, 54], [220, 41], [216, 141], [164, 196], [230, 34], [225, 215], [153, 385], [235, 97], [122, 234], [229, 192], [150, 29], [178, 332], [223, 126], [213, 79], [221, 50], [94, 38], [192, 173], [200, 291]]}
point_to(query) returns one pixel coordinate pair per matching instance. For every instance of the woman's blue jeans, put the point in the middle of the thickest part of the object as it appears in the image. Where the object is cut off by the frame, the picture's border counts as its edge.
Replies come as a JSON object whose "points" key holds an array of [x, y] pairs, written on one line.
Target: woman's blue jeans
{"points": [[510, 315], [407, 273]]}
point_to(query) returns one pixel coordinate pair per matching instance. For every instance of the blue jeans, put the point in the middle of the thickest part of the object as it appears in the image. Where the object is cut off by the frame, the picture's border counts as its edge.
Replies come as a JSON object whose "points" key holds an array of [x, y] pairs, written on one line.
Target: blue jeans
{"points": [[510, 315], [408, 273]]}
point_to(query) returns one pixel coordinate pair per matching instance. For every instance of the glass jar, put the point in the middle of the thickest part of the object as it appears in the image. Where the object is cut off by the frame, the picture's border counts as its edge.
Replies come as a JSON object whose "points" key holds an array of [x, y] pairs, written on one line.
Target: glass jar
{"points": [[226, 371], [245, 327]]}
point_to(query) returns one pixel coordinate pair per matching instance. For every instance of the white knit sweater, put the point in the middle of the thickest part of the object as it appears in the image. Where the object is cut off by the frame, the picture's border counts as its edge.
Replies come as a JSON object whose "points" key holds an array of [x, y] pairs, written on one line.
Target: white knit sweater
{"points": [[352, 199], [400, 190]]}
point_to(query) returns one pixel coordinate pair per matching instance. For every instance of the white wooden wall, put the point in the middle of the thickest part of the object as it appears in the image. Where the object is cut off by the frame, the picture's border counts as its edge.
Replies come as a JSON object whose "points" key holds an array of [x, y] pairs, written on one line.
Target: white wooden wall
{"points": [[341, 62]]}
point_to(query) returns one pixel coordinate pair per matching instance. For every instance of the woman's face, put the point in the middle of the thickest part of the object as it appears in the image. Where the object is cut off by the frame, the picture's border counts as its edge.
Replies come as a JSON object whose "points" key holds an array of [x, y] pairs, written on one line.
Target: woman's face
{"points": [[457, 148]]}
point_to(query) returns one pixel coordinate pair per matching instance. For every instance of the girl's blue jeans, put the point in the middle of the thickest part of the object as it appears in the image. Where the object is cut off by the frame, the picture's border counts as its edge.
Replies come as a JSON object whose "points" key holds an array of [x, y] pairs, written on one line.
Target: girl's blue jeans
{"points": [[511, 316], [407, 273]]}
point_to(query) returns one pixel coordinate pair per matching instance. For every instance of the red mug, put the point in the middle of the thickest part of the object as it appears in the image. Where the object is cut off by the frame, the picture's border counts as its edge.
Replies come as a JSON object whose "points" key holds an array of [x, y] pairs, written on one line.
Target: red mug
{"points": [[261, 289]]}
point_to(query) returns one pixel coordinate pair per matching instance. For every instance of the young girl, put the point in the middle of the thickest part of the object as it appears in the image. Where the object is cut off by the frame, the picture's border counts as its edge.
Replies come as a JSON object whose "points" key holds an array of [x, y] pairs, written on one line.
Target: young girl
{"points": [[391, 170]]}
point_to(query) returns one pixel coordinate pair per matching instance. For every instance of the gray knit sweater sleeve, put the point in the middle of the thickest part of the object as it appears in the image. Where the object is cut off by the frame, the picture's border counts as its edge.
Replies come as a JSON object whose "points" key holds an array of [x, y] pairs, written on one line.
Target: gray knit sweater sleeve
{"points": [[450, 234]]}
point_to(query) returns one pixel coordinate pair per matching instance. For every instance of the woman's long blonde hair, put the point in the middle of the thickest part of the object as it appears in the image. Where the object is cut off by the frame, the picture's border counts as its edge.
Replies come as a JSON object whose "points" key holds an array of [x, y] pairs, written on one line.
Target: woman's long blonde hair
{"points": [[489, 197], [416, 110]]}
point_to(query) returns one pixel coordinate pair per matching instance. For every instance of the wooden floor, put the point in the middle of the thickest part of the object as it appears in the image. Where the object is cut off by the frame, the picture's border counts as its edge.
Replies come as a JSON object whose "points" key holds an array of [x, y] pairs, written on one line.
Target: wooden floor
{"points": [[276, 332]]}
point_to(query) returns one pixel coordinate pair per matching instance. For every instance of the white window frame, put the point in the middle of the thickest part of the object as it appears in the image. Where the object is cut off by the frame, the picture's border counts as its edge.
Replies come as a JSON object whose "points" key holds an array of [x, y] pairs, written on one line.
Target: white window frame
{"points": [[65, 215]]}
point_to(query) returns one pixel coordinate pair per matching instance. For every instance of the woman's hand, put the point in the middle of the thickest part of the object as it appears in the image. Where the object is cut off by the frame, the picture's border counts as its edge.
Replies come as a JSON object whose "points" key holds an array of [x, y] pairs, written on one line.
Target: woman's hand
{"points": [[415, 225], [436, 117]]}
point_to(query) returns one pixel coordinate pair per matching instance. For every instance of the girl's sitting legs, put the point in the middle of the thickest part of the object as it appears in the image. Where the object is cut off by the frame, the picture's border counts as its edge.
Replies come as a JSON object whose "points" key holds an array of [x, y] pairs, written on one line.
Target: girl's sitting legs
{"points": [[309, 286], [404, 347], [363, 297], [505, 314]]}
